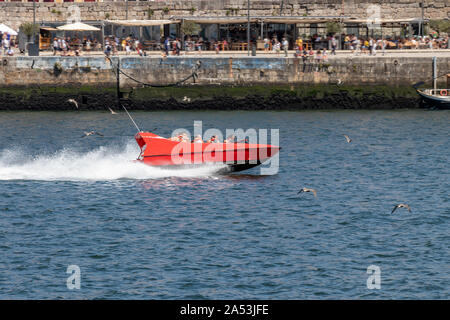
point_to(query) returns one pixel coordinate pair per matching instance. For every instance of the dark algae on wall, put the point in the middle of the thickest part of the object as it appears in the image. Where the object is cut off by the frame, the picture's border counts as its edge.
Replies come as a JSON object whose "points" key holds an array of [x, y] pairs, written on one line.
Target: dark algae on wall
{"points": [[196, 97]]}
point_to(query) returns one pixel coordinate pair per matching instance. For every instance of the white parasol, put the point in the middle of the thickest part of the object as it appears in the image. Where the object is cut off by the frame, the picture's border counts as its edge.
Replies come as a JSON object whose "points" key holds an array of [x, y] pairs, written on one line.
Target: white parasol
{"points": [[78, 26], [5, 29]]}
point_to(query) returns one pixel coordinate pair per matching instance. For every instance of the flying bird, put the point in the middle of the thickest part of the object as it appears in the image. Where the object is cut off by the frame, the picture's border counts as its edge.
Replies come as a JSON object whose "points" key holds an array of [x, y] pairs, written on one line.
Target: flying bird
{"points": [[347, 138], [112, 111], [308, 190], [401, 205], [74, 102], [186, 99], [90, 133]]}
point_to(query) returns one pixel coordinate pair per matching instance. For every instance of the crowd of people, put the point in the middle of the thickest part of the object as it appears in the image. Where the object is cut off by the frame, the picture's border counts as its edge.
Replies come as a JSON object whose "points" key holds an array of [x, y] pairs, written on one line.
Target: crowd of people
{"points": [[73, 47], [66, 46], [130, 44], [371, 44], [8, 43]]}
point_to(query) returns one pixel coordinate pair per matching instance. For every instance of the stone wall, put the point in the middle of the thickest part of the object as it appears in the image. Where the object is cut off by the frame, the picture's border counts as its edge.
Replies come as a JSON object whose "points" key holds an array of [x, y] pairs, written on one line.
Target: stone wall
{"points": [[14, 13], [218, 71]]}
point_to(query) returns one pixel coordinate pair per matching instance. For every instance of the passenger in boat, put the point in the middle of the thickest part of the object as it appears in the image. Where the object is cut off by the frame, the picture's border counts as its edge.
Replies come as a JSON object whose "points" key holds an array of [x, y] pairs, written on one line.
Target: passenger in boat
{"points": [[185, 137], [213, 139], [198, 139], [230, 139]]}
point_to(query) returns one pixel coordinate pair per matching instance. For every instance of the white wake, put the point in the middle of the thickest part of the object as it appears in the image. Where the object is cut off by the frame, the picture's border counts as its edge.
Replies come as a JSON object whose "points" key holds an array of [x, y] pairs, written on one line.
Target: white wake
{"points": [[103, 163]]}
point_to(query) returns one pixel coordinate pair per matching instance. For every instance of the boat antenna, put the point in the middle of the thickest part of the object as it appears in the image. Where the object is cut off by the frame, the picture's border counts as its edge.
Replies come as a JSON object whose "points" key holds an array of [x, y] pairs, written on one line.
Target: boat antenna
{"points": [[131, 118]]}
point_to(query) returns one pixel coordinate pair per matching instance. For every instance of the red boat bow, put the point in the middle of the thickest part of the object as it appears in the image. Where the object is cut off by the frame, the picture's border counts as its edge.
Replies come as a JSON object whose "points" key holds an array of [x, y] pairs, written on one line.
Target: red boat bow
{"points": [[159, 151]]}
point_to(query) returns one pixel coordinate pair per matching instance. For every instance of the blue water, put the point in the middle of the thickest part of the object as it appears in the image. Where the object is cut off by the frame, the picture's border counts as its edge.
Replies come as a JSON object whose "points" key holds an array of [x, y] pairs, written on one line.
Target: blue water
{"points": [[146, 233]]}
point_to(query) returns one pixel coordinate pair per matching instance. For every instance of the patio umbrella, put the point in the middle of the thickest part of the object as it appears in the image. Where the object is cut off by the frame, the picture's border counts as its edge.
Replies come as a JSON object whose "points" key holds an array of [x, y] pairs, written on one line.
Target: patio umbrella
{"points": [[78, 26], [6, 29]]}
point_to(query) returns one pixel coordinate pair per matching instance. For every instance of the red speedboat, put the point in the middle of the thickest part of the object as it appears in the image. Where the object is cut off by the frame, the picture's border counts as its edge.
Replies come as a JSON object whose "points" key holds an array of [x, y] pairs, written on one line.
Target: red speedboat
{"points": [[159, 151]]}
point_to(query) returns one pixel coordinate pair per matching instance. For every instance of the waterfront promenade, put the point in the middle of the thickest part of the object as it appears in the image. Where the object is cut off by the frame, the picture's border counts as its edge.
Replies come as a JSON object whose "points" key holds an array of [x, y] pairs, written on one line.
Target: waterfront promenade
{"points": [[410, 53]]}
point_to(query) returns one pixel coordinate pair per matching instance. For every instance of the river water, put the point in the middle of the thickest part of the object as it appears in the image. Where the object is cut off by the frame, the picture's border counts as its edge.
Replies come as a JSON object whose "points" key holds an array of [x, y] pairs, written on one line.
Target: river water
{"points": [[147, 233]]}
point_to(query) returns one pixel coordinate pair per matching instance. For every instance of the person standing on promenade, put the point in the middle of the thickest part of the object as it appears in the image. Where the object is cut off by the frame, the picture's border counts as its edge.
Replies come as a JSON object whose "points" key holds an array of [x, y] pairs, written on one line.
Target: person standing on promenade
{"points": [[285, 44], [64, 47], [167, 46], [177, 46], [266, 45], [128, 48], [299, 43], [324, 55], [55, 46], [333, 45], [346, 42], [5, 45], [304, 59]]}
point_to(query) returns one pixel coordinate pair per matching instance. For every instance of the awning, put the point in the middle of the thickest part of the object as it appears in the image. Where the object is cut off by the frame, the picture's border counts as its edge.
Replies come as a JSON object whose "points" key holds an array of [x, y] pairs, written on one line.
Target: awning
{"points": [[385, 21], [265, 19], [140, 23], [48, 28], [78, 26], [295, 20], [5, 29], [218, 20]]}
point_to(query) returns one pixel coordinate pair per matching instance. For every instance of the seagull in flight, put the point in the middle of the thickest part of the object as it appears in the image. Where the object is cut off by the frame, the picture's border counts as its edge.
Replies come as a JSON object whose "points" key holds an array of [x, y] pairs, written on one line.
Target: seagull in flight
{"points": [[90, 133], [347, 138], [112, 111], [401, 205], [308, 190], [74, 102]]}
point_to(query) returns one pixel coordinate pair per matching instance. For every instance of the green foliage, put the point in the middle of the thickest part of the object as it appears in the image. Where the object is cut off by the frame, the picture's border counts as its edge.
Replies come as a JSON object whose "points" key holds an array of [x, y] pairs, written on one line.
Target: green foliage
{"points": [[165, 10], [29, 28], [150, 12], [190, 28], [192, 10], [441, 26], [333, 27]]}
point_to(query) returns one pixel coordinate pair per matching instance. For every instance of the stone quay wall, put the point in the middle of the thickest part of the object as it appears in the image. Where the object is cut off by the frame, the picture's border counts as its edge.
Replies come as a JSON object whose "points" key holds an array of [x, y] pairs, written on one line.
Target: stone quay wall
{"points": [[223, 83], [14, 13], [218, 71]]}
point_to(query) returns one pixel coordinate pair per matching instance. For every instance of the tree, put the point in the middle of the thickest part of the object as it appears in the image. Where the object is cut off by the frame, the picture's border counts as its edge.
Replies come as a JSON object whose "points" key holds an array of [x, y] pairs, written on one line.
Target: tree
{"points": [[441, 26], [29, 29], [333, 27], [190, 28]]}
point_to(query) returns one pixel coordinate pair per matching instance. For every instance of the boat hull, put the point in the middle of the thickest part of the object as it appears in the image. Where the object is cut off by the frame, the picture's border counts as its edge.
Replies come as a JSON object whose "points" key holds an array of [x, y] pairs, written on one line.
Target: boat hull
{"points": [[433, 101], [161, 152]]}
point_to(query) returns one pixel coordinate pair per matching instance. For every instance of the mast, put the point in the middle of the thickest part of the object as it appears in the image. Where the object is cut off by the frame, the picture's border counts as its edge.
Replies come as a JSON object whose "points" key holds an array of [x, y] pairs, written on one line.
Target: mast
{"points": [[434, 74]]}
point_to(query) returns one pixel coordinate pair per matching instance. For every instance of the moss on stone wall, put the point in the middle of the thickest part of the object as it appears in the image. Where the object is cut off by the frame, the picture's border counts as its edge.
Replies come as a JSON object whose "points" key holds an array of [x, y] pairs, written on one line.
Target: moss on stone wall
{"points": [[258, 97], [317, 91]]}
